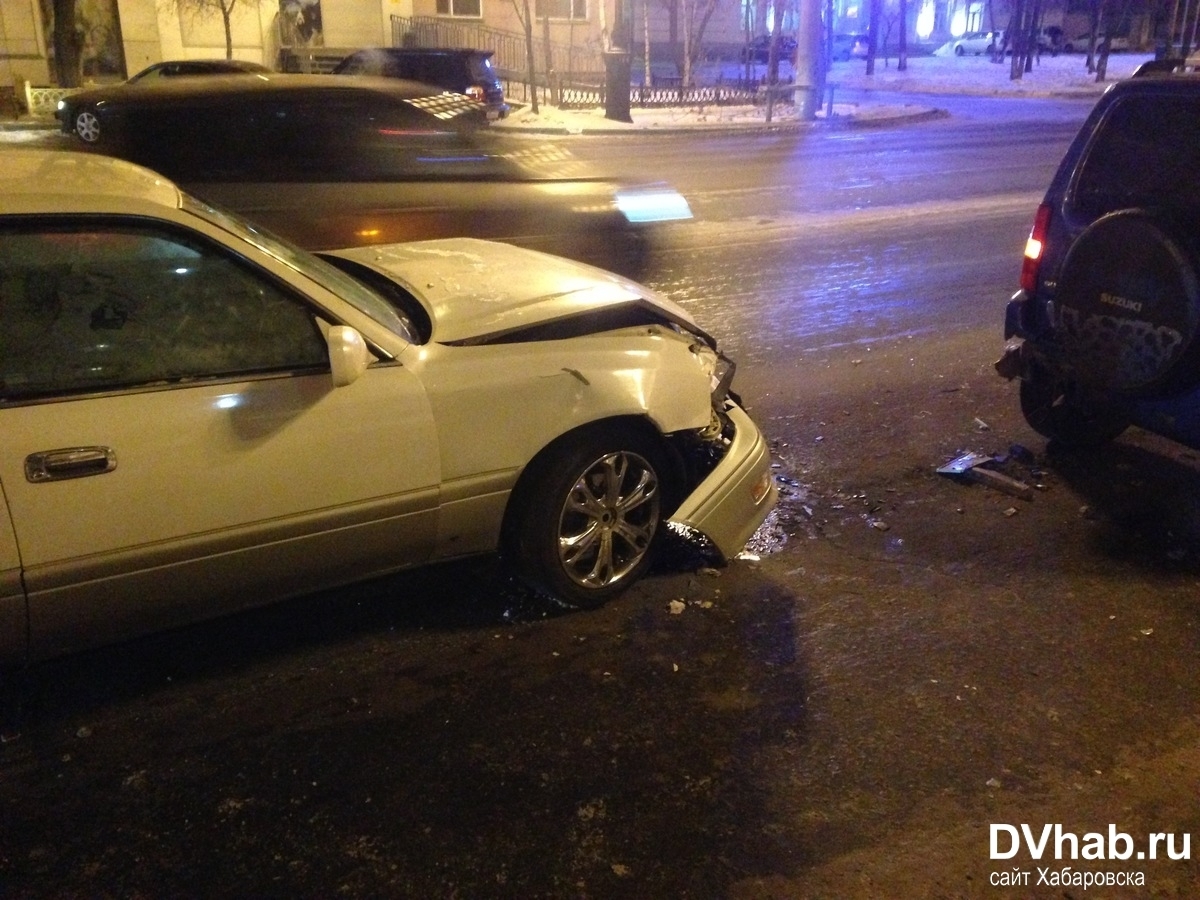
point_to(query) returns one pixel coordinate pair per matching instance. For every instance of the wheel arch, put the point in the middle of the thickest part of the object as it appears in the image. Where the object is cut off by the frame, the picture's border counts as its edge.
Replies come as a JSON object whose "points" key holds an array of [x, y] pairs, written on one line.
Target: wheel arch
{"points": [[597, 430]]}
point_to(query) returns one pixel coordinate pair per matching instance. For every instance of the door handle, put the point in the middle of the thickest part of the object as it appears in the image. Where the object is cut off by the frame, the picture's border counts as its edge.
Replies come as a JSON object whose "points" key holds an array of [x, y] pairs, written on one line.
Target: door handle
{"points": [[69, 462]]}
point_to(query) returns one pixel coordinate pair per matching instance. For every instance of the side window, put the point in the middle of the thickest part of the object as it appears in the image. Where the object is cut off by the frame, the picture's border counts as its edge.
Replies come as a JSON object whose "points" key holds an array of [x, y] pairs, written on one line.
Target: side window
{"points": [[1146, 153], [102, 307]]}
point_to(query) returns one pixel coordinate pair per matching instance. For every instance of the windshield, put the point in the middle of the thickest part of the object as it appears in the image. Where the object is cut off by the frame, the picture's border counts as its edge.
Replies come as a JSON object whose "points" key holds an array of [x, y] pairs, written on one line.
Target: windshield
{"points": [[332, 279]]}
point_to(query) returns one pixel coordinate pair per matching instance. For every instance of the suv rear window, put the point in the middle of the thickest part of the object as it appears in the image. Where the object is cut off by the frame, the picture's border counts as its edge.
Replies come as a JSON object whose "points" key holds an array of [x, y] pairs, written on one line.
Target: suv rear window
{"points": [[1146, 153]]}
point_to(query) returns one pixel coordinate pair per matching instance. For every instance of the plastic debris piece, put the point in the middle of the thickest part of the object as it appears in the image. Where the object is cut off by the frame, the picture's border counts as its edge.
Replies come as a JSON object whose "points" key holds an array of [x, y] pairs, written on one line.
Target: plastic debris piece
{"points": [[675, 607], [971, 466]]}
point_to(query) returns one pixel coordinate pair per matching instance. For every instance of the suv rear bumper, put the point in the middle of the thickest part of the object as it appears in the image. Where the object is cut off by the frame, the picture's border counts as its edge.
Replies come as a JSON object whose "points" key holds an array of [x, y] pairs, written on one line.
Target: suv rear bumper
{"points": [[1017, 316]]}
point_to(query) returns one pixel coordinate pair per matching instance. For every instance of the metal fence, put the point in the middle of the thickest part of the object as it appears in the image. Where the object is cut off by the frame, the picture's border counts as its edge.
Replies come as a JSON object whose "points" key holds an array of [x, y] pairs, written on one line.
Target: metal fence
{"points": [[577, 78], [640, 97]]}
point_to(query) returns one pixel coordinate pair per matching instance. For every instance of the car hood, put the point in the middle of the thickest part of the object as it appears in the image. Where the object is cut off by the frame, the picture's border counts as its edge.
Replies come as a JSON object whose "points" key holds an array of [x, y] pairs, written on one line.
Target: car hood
{"points": [[478, 292]]}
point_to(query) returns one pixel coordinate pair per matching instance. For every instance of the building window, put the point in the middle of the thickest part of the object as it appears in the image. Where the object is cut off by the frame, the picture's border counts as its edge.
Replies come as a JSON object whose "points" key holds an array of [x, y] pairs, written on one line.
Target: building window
{"points": [[561, 9], [470, 9]]}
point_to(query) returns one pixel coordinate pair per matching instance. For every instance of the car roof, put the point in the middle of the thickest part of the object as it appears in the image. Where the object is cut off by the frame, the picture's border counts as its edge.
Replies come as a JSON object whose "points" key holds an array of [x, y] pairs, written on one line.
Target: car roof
{"points": [[262, 84], [425, 51], [224, 66], [49, 181]]}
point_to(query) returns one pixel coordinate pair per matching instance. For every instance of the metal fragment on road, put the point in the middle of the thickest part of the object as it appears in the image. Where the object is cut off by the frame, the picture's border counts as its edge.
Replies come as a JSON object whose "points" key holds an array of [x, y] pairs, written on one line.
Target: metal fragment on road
{"points": [[971, 467]]}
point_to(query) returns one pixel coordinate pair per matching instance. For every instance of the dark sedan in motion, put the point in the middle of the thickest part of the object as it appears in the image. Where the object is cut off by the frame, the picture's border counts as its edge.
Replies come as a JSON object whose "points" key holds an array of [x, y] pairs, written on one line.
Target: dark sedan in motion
{"points": [[330, 161], [79, 112]]}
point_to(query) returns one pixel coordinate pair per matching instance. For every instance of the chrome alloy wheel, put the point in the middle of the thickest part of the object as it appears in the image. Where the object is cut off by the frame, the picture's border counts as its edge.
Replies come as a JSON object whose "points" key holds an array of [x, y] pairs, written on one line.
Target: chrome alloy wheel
{"points": [[87, 126], [609, 519]]}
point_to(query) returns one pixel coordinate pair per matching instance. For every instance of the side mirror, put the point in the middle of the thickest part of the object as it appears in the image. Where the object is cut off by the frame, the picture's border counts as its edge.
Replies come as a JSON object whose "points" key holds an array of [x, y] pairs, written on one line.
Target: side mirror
{"points": [[348, 354]]}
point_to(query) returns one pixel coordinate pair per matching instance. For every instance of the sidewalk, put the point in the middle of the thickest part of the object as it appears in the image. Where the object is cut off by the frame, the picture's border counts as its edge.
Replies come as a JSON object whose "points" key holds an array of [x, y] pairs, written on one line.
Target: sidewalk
{"points": [[1061, 76]]}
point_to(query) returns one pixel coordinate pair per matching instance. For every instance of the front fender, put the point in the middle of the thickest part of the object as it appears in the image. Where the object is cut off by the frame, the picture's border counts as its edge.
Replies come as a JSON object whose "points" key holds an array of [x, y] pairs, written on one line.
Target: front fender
{"points": [[497, 406]]}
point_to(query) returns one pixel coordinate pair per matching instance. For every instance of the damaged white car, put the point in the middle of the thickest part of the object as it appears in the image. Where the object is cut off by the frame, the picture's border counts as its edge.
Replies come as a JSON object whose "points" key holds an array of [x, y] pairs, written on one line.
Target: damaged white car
{"points": [[196, 417]]}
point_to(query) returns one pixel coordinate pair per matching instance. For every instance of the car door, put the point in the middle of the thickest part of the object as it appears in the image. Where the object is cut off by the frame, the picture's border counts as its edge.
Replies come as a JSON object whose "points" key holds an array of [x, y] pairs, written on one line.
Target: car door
{"points": [[172, 445], [13, 619]]}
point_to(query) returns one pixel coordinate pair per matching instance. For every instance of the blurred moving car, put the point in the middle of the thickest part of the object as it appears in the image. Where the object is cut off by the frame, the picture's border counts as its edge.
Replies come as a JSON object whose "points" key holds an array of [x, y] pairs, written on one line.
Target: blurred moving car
{"points": [[180, 68], [466, 71], [1105, 329], [196, 417], [79, 112], [850, 46], [331, 161]]}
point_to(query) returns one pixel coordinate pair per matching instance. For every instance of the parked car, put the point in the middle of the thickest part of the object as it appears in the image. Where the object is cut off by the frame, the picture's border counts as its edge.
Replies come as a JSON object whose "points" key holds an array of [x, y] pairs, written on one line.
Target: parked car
{"points": [[332, 161], [1105, 329], [466, 71], [197, 417], [976, 43], [80, 112], [1079, 43], [759, 49], [850, 46]]}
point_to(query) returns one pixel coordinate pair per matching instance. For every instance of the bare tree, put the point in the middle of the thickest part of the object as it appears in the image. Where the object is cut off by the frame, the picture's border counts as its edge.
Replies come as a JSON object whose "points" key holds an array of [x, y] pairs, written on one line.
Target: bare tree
{"points": [[525, 16], [67, 40], [696, 15], [875, 16], [305, 22]]}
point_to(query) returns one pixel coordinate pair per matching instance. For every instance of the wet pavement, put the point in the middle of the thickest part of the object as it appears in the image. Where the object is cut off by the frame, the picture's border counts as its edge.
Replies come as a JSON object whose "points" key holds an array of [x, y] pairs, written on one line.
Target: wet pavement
{"points": [[909, 659], [902, 662]]}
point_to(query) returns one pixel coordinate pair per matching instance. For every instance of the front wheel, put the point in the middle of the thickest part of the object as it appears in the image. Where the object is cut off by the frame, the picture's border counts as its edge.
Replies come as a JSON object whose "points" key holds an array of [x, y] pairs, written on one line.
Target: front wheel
{"points": [[87, 126], [587, 516]]}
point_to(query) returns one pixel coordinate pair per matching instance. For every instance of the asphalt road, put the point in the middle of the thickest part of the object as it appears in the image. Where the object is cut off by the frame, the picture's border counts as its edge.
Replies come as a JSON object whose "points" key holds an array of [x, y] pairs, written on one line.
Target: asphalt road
{"points": [[907, 665]]}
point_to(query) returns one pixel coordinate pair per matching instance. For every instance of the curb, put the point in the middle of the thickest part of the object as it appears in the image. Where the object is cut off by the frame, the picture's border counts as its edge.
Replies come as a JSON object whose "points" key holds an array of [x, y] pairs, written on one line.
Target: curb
{"points": [[841, 121], [30, 123]]}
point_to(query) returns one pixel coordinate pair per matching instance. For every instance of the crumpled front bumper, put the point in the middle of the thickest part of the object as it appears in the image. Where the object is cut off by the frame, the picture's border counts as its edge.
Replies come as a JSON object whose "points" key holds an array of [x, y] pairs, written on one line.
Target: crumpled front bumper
{"points": [[735, 498]]}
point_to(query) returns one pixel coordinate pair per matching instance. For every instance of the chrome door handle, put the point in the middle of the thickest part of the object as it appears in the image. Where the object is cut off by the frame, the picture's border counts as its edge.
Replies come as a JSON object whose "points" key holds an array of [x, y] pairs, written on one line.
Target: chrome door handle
{"points": [[69, 462]]}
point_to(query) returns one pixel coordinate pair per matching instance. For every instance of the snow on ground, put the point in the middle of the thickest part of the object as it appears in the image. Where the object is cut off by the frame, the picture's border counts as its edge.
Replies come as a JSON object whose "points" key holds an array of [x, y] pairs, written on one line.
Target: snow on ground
{"points": [[1065, 74], [1052, 76]]}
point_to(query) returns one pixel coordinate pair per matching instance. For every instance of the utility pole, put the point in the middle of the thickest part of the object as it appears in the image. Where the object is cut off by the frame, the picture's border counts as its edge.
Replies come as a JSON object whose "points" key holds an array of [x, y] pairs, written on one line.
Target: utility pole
{"points": [[617, 67], [810, 59]]}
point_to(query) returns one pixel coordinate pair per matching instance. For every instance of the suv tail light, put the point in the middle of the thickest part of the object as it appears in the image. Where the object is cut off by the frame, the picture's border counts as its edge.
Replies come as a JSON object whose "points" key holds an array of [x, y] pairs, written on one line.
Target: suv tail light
{"points": [[1034, 247]]}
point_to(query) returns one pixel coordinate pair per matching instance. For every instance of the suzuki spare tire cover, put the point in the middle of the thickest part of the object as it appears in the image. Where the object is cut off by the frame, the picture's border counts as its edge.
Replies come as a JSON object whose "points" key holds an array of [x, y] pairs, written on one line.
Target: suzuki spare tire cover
{"points": [[1129, 306]]}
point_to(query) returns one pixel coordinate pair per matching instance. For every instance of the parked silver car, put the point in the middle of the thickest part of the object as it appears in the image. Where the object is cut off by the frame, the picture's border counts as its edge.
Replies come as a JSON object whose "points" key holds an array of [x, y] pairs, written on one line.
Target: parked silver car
{"points": [[196, 417]]}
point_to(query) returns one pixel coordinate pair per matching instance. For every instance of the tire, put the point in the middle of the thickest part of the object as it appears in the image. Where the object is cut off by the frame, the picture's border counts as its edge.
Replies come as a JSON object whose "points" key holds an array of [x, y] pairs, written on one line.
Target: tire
{"points": [[585, 520], [1060, 412], [87, 126], [960, 50], [1129, 306]]}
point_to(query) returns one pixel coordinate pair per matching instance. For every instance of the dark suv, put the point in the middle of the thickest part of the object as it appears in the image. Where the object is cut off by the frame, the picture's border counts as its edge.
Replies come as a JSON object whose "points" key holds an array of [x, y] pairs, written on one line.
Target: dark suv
{"points": [[466, 71], [1109, 306]]}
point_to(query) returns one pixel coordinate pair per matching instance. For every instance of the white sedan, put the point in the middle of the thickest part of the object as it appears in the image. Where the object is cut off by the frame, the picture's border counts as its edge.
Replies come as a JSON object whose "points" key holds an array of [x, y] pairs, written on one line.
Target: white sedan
{"points": [[196, 417], [973, 43]]}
